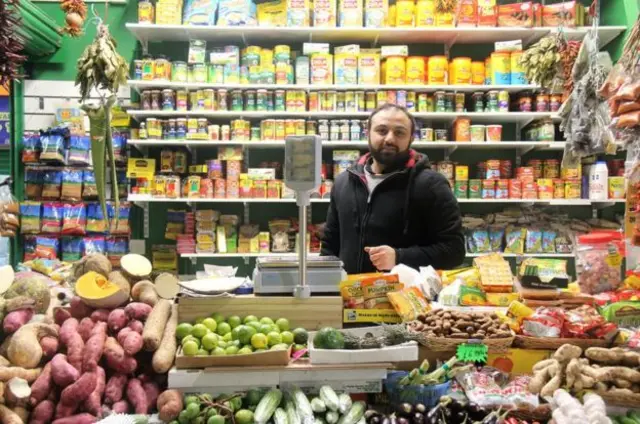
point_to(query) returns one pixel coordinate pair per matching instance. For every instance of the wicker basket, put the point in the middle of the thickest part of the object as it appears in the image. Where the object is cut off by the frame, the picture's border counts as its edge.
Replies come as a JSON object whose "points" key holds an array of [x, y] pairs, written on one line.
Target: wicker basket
{"points": [[627, 401], [541, 414], [552, 343], [444, 344]]}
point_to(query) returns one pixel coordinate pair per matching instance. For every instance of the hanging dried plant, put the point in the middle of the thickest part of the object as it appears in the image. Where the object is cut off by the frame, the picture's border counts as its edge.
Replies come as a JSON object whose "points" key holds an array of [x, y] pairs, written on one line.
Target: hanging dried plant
{"points": [[11, 44], [76, 11], [445, 6]]}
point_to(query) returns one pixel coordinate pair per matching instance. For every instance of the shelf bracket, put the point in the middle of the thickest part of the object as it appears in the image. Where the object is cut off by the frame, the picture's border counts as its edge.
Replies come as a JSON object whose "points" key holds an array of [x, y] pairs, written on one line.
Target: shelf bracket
{"points": [[375, 41], [246, 260], [449, 44], [521, 151], [193, 260], [594, 212], [244, 40], [449, 151], [145, 45]]}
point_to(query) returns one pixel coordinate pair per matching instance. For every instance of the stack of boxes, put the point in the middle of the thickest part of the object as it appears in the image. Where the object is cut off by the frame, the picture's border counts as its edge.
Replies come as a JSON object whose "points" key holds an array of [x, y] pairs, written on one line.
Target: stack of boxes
{"points": [[169, 12]]}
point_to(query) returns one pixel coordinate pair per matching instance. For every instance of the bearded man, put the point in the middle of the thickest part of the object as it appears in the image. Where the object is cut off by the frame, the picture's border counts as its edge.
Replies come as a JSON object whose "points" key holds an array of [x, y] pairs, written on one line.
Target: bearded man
{"points": [[391, 207]]}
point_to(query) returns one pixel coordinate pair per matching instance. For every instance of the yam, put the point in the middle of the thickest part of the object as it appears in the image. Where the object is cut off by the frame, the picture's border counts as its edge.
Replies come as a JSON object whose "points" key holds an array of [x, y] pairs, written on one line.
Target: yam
{"points": [[113, 351], [631, 359], [7, 416], [100, 315], [169, 405], [127, 366], [42, 386], [85, 327], [43, 413], [93, 404], [167, 285], [144, 291], [94, 347], [137, 396], [119, 279], [49, 346], [135, 267], [152, 390], [115, 388], [17, 392], [117, 320], [63, 410], [22, 413], [78, 308], [133, 343], [155, 325], [79, 391], [24, 349], [551, 386], [136, 326], [62, 372], [164, 356], [602, 355], [67, 329]]}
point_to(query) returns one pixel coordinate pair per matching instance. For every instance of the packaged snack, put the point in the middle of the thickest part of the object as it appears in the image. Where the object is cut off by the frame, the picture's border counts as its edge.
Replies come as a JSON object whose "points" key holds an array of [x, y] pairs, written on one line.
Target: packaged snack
{"points": [[51, 218], [71, 249], [565, 14], [478, 241], [409, 303], [472, 296], [71, 185], [30, 217], [375, 13], [51, 185], [514, 240], [164, 257], [324, 13], [495, 273], [33, 181], [53, 143], [121, 226], [375, 291], [47, 247], [352, 294], [543, 273], [548, 241], [598, 263], [79, 150], [89, 189], [200, 12], [496, 237], [175, 224], [117, 247], [272, 13], [31, 148], [236, 13], [516, 14], [121, 177], [95, 245], [298, 13], [279, 230], [207, 215], [119, 140], [29, 248], [582, 322], [533, 241], [350, 14], [468, 276], [74, 219], [96, 222], [545, 322], [501, 299]]}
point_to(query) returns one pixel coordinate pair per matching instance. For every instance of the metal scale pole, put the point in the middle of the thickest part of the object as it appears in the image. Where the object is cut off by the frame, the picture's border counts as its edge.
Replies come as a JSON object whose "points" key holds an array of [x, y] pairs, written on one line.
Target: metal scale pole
{"points": [[302, 290]]}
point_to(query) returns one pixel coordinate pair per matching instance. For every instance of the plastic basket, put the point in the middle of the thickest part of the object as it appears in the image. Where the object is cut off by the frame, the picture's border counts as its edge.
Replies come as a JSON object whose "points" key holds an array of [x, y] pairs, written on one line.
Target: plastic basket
{"points": [[429, 396]]}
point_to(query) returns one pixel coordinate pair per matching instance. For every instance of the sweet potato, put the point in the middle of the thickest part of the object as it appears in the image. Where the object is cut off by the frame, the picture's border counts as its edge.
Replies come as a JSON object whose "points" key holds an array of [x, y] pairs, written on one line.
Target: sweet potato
{"points": [[154, 327], [7, 416], [136, 326], [63, 410], [163, 358], [83, 418], [137, 396], [121, 407], [94, 348], [75, 351], [16, 319], [43, 413], [152, 390], [93, 404], [169, 405], [145, 292], [115, 388], [117, 320], [49, 346], [113, 351], [67, 329], [122, 334], [78, 309], [42, 386], [24, 349], [138, 310], [132, 343], [79, 391], [60, 315], [100, 315], [127, 366], [85, 327], [62, 372], [7, 373]]}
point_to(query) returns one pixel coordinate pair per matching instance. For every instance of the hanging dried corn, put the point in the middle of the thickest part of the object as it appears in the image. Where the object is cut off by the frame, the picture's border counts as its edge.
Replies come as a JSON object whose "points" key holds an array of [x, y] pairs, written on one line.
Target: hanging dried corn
{"points": [[76, 13]]}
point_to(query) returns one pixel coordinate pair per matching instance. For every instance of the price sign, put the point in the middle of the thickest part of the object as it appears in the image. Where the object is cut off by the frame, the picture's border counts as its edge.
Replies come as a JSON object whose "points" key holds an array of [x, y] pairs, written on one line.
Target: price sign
{"points": [[472, 352], [141, 168]]}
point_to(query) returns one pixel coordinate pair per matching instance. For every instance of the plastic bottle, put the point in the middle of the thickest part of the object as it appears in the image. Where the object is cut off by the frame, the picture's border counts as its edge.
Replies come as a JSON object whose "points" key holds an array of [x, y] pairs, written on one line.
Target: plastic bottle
{"points": [[598, 181]]}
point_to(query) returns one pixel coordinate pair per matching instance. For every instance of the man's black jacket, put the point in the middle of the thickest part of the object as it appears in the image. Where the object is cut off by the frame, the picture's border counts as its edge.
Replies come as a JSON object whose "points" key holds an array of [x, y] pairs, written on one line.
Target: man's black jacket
{"points": [[412, 210]]}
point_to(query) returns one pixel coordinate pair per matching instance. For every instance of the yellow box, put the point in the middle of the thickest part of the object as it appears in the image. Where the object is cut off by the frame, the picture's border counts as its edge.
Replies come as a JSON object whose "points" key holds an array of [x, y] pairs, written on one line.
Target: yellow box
{"points": [[518, 361], [388, 316], [350, 13], [346, 69], [230, 153], [298, 12], [272, 13], [324, 14], [141, 168], [375, 13], [501, 299], [321, 65], [369, 68]]}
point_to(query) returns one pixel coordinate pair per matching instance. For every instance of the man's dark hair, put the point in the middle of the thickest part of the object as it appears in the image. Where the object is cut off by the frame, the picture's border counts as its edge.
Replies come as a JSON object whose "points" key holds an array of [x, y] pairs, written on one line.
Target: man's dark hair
{"points": [[393, 106]]}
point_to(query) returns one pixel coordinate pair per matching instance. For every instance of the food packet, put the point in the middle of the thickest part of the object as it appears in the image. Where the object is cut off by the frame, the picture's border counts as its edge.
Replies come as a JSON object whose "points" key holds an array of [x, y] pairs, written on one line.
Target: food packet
{"points": [[51, 218], [74, 219], [409, 302], [29, 248], [89, 189], [31, 148], [79, 150], [533, 241], [72, 249], [30, 217], [96, 222], [514, 238], [578, 322], [478, 241], [51, 185], [33, 181], [352, 294], [545, 322], [53, 144], [375, 291], [119, 140], [175, 224], [121, 177], [117, 247], [121, 226], [47, 247], [496, 237], [548, 241], [95, 245], [71, 185], [279, 230]]}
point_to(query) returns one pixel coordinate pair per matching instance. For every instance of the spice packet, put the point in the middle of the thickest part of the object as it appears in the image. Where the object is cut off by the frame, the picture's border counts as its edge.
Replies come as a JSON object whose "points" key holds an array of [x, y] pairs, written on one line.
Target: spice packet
{"points": [[96, 222], [79, 149], [51, 185], [72, 249], [375, 291], [514, 240], [89, 188], [51, 218], [30, 217], [29, 248], [71, 185], [119, 141], [95, 245], [117, 247], [409, 303], [74, 219], [533, 241], [47, 247], [121, 226], [53, 144], [33, 181], [31, 148]]}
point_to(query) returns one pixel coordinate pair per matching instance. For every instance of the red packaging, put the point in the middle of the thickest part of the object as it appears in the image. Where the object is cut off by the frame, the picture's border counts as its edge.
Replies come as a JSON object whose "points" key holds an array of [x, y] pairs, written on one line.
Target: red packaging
{"points": [[502, 189], [616, 167], [529, 190], [558, 189], [579, 321], [487, 13], [206, 188], [515, 189], [260, 189], [493, 170], [506, 169], [233, 188], [273, 189], [545, 322], [525, 174], [516, 14], [481, 170], [467, 13], [488, 189], [536, 164], [219, 188]]}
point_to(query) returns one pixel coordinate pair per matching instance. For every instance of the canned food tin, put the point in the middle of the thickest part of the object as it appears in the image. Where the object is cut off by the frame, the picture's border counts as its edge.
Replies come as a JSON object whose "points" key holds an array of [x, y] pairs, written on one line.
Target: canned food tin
{"points": [[146, 100], [156, 99], [255, 134], [261, 100], [440, 101], [137, 69], [502, 189], [192, 126], [313, 102], [148, 68], [461, 189], [551, 168], [462, 172], [423, 102], [572, 189], [289, 127], [506, 169], [411, 101], [392, 96], [280, 129], [162, 69], [536, 164], [300, 127], [168, 99], [200, 99], [179, 71], [250, 100], [475, 189], [515, 189], [503, 101], [181, 100], [449, 102], [493, 170], [209, 99], [459, 102], [401, 98], [340, 101], [279, 101], [370, 100], [381, 98], [202, 126], [441, 135], [492, 101], [225, 133], [360, 101], [477, 102], [236, 100], [268, 127], [426, 134], [481, 170], [181, 127], [310, 127], [214, 132], [545, 188], [525, 173], [488, 189], [199, 73], [558, 188], [223, 103], [350, 104]]}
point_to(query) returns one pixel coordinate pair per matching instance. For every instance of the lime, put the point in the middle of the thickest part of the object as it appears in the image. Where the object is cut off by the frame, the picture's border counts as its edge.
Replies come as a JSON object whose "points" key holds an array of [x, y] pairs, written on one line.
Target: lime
{"points": [[216, 419], [223, 328], [259, 350], [237, 403], [190, 348], [245, 351], [198, 420], [184, 417], [244, 416], [231, 350], [222, 344], [199, 330], [259, 341], [249, 318], [218, 317], [202, 352], [298, 347], [191, 338], [227, 337], [193, 409], [235, 343], [212, 412], [266, 320], [210, 341], [279, 346], [219, 351], [235, 333], [287, 337], [265, 328], [234, 321], [191, 399], [274, 338], [210, 323], [245, 334], [283, 324], [300, 336], [255, 325], [183, 330]]}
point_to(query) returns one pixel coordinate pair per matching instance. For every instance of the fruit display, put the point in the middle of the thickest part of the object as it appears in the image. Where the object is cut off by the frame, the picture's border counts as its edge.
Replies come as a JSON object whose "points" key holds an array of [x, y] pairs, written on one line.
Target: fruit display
{"points": [[216, 335]]}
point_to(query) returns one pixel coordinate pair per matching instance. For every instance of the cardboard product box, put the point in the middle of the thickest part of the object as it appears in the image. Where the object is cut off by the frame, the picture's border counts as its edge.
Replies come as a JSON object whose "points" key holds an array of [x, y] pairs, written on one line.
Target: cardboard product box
{"points": [[321, 65], [324, 14], [346, 68], [516, 14], [562, 14], [270, 357], [468, 13], [310, 48], [261, 173], [369, 68], [298, 13], [487, 13], [349, 48], [518, 361], [375, 13], [388, 51], [350, 13]]}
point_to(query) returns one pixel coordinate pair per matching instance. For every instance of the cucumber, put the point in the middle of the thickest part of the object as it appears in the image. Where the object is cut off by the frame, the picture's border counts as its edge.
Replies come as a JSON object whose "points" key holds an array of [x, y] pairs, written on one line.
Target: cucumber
{"points": [[634, 415], [330, 398], [345, 403], [626, 420], [267, 406], [302, 405], [280, 417], [292, 414], [332, 417], [355, 414], [318, 406]]}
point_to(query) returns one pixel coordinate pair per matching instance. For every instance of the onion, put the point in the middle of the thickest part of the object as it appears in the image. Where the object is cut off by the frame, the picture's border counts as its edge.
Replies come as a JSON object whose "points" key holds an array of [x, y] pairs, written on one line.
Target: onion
{"points": [[74, 20]]}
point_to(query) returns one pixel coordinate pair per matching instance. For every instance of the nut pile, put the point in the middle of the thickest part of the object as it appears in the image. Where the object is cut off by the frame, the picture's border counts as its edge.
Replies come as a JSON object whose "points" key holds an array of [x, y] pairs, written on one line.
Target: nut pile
{"points": [[460, 325]]}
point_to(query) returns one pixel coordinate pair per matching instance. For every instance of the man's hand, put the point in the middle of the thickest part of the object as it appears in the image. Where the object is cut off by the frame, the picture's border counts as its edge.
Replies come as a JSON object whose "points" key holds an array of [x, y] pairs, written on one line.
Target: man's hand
{"points": [[382, 257]]}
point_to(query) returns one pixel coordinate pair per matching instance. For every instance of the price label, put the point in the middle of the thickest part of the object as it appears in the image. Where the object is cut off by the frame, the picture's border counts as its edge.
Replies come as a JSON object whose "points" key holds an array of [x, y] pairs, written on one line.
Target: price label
{"points": [[141, 168], [472, 352]]}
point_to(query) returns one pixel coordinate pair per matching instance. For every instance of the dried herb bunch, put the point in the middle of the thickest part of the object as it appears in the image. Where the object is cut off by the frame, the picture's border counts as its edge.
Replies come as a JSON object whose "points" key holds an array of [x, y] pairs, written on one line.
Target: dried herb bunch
{"points": [[11, 44], [540, 61]]}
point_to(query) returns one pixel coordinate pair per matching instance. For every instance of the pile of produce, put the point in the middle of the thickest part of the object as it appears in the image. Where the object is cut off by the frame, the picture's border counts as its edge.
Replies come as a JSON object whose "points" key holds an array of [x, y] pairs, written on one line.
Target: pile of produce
{"points": [[569, 410], [217, 335], [460, 325], [392, 335]]}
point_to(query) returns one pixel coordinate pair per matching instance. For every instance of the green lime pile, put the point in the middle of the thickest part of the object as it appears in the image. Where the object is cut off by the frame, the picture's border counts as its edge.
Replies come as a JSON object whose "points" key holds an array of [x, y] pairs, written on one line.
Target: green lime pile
{"points": [[205, 409], [217, 335]]}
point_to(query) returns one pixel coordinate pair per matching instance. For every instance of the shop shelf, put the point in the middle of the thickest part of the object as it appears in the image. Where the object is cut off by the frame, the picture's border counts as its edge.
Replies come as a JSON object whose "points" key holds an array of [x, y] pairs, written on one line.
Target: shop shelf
{"points": [[242, 255], [526, 255]]}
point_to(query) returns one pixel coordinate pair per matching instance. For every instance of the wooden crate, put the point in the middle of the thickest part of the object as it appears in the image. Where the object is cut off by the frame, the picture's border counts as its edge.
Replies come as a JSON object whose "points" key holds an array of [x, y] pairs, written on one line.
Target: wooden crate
{"points": [[312, 314]]}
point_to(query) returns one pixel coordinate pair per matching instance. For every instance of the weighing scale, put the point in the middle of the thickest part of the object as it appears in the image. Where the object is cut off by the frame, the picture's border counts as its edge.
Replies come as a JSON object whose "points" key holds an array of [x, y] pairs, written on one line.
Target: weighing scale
{"points": [[287, 274]]}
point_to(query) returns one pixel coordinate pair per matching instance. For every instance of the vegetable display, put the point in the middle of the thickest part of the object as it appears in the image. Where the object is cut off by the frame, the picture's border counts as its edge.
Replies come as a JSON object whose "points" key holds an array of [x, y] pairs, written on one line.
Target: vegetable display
{"points": [[460, 325]]}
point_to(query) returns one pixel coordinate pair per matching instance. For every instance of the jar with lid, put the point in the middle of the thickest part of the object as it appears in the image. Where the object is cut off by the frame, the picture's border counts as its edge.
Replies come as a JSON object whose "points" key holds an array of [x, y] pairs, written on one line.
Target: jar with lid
{"points": [[142, 132], [162, 69], [334, 130], [344, 130], [323, 129], [148, 67], [355, 130], [311, 127], [145, 12]]}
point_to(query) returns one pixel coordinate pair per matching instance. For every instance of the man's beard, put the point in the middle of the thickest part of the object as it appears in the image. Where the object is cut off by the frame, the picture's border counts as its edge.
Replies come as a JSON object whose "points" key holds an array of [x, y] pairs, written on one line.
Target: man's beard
{"points": [[390, 158]]}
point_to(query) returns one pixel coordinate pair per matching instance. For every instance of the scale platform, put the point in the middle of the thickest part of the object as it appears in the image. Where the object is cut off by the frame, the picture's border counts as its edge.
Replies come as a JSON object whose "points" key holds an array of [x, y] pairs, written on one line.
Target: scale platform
{"points": [[279, 275]]}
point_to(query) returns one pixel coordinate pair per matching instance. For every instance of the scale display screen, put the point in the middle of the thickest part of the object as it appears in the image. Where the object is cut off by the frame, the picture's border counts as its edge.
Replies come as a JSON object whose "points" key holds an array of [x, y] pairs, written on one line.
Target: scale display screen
{"points": [[302, 162]]}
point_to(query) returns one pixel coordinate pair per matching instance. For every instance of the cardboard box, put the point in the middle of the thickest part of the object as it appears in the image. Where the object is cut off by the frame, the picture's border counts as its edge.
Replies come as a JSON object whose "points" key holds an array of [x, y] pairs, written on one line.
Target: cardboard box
{"points": [[400, 353], [388, 316], [310, 48], [261, 173], [388, 51], [562, 14], [271, 357], [487, 13], [516, 14], [518, 361], [324, 13], [501, 299]]}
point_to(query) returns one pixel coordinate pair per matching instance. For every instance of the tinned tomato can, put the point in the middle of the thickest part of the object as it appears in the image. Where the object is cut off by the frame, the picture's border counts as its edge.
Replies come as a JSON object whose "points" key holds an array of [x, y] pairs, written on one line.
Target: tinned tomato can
{"points": [[493, 170], [536, 164], [481, 170], [572, 189], [558, 188], [506, 169], [462, 172], [502, 189], [525, 174], [529, 190], [461, 189], [545, 188], [475, 189], [488, 189], [551, 168], [515, 189]]}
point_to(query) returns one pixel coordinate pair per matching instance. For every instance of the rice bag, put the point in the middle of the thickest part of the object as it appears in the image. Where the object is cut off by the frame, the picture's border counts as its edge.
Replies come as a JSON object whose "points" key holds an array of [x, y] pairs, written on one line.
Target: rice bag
{"points": [[51, 185], [53, 145], [31, 148], [236, 13], [51, 218], [29, 248], [200, 12], [30, 217], [79, 150], [72, 249], [116, 247], [96, 222], [74, 221], [95, 245], [89, 189], [47, 247], [119, 140], [121, 226], [33, 182], [71, 185]]}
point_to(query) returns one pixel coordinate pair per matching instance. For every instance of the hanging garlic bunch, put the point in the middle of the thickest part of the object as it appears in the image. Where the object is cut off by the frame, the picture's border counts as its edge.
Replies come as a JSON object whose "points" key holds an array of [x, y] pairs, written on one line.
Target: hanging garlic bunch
{"points": [[76, 13]]}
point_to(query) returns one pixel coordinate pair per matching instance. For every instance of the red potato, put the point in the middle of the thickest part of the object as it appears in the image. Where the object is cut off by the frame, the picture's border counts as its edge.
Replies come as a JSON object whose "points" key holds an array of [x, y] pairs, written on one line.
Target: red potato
{"points": [[60, 315], [121, 407], [85, 327], [93, 404], [132, 343], [49, 346], [122, 334], [16, 319], [115, 388], [138, 310], [62, 371], [79, 391], [137, 396], [136, 326], [63, 410], [100, 315], [67, 330], [113, 351], [127, 366], [117, 320], [78, 309], [152, 390], [43, 413], [42, 386], [77, 419], [94, 348]]}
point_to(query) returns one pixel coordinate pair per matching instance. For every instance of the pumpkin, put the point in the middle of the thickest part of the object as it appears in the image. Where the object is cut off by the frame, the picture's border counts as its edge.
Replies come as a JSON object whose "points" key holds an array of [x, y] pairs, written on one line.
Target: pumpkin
{"points": [[96, 291]]}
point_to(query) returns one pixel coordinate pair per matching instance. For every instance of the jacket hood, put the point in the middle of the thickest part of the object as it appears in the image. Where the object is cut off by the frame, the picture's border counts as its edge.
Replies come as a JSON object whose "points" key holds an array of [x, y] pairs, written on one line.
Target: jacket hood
{"points": [[417, 162]]}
